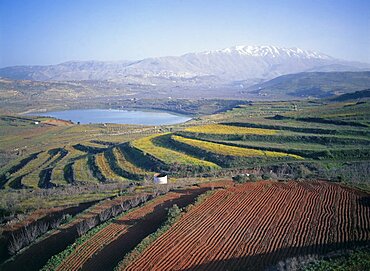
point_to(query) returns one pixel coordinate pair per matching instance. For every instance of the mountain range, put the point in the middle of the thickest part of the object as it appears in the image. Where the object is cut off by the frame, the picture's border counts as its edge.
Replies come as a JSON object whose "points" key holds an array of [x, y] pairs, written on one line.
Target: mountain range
{"points": [[250, 64]]}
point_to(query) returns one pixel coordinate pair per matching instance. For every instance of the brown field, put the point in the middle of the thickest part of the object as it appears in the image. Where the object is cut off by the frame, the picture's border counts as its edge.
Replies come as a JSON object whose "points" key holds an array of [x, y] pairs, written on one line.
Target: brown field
{"points": [[57, 122], [59, 239], [256, 225], [102, 250]]}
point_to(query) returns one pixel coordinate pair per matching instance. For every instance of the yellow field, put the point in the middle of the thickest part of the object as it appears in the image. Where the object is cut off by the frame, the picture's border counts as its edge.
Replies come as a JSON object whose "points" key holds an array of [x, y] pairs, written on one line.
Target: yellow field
{"points": [[81, 171], [105, 169], [33, 178], [231, 150], [32, 165], [126, 165], [168, 156], [57, 176], [229, 130]]}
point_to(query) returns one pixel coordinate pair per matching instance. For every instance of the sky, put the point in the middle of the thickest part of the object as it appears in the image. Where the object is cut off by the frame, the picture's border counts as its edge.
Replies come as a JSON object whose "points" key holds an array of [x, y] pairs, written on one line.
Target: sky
{"points": [[42, 32]]}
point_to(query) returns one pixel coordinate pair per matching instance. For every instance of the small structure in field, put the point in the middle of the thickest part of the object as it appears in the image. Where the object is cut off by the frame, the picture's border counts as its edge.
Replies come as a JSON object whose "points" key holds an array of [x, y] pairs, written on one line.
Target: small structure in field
{"points": [[160, 178]]}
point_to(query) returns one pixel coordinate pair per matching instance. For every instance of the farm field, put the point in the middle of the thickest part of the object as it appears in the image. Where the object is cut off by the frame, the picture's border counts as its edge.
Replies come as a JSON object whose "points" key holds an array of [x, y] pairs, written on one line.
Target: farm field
{"points": [[265, 135], [104, 248], [231, 150], [226, 129], [156, 136], [66, 164], [65, 235], [257, 225], [169, 156]]}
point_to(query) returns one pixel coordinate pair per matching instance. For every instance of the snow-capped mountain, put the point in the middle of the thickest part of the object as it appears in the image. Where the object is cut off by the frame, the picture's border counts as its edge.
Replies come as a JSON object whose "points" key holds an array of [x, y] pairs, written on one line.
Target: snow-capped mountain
{"points": [[270, 51], [247, 63]]}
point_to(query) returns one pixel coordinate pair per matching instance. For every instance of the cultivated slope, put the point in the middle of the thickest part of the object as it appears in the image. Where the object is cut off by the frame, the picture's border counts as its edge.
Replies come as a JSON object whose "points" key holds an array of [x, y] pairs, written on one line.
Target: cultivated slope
{"points": [[256, 225], [314, 84]]}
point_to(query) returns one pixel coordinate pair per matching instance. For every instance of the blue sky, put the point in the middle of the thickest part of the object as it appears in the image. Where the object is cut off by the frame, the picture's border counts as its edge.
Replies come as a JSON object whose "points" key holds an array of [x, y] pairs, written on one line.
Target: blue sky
{"points": [[40, 32]]}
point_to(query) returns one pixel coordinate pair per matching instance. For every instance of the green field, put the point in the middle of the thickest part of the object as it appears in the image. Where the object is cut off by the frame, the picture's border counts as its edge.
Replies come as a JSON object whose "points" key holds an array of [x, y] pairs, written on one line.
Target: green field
{"points": [[293, 139]]}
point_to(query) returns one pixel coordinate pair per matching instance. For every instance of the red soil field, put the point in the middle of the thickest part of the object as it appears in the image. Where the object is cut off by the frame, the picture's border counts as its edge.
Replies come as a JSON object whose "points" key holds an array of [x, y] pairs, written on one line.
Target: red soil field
{"points": [[37, 255], [32, 217], [255, 225], [118, 229]]}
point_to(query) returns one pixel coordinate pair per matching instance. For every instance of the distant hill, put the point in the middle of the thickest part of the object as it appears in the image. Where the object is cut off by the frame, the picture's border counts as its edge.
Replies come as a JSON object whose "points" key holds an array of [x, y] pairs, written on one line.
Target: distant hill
{"points": [[352, 96], [211, 68], [313, 84], [287, 87]]}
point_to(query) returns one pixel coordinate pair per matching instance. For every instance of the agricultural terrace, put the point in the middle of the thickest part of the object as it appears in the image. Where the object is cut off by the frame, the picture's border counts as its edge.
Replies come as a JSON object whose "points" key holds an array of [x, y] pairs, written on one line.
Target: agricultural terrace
{"points": [[103, 250], [105, 169], [81, 171], [57, 175], [168, 156], [256, 225], [123, 163], [229, 130], [66, 233], [231, 150]]}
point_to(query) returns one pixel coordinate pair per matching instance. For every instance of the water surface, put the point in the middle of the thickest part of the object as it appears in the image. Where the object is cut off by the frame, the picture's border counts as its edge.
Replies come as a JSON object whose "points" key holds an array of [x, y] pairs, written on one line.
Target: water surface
{"points": [[86, 116]]}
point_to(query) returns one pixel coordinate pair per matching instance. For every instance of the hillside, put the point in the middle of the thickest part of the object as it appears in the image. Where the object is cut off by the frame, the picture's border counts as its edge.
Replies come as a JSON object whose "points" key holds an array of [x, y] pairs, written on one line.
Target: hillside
{"points": [[23, 95], [259, 225], [313, 84], [357, 95], [215, 68], [58, 164], [263, 135]]}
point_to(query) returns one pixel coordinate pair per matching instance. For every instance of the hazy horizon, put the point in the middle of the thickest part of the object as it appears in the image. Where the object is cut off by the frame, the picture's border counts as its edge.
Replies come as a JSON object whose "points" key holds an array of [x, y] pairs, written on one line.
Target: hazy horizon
{"points": [[50, 32]]}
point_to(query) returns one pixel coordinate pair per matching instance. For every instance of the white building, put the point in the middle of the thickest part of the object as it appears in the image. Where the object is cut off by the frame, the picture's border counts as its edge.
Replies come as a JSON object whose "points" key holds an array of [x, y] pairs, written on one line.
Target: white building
{"points": [[160, 178]]}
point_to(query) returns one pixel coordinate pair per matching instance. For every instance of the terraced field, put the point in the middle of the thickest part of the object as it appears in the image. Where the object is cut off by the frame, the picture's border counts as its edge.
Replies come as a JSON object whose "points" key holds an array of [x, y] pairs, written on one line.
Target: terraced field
{"points": [[252, 225], [122, 162], [103, 249], [58, 174], [105, 169], [229, 130], [81, 171], [255, 225], [231, 150], [248, 136], [169, 156], [66, 234]]}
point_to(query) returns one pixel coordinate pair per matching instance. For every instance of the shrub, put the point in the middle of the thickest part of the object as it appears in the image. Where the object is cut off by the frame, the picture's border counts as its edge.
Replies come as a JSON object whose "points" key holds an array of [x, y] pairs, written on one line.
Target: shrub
{"points": [[266, 176], [241, 178]]}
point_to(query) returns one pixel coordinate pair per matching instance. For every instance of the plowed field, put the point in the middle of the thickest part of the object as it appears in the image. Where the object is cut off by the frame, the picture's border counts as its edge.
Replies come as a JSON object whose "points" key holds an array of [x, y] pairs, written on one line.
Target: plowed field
{"points": [[102, 251], [255, 225]]}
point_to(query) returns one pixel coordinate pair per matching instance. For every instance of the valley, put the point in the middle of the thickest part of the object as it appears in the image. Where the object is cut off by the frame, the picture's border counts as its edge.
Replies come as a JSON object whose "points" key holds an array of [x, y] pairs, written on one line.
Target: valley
{"points": [[175, 135], [263, 153], [282, 141]]}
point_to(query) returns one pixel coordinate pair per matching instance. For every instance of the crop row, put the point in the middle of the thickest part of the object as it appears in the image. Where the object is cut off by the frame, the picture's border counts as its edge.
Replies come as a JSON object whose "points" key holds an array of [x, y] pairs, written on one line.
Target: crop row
{"points": [[272, 220], [39, 175], [28, 174], [229, 130], [231, 150], [61, 166], [121, 166], [89, 148], [105, 168], [283, 138], [297, 128], [18, 165], [58, 176], [220, 154], [110, 233], [169, 156], [81, 171], [303, 150]]}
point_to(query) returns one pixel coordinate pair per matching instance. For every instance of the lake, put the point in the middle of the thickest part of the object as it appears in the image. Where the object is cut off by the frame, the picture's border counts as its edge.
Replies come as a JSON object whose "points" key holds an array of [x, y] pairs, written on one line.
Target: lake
{"points": [[86, 116]]}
